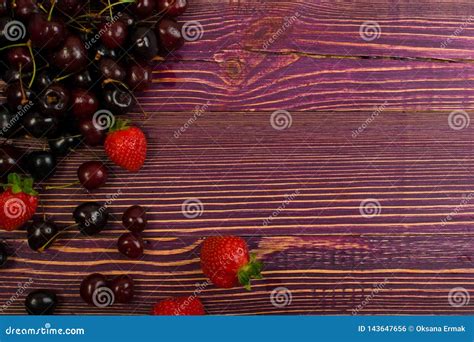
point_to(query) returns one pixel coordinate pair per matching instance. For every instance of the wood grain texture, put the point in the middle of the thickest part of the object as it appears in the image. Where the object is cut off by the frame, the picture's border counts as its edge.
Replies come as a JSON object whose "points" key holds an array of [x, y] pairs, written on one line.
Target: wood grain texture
{"points": [[369, 121], [317, 245]]}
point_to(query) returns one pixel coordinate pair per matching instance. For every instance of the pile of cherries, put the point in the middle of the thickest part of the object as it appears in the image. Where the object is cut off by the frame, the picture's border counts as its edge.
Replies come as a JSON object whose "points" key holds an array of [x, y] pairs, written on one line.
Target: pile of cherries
{"points": [[71, 60]]}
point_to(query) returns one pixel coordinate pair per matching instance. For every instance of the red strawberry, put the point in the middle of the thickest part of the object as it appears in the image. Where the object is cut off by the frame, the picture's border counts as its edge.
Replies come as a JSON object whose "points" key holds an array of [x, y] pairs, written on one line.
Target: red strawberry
{"points": [[226, 261], [179, 306], [18, 202], [126, 146]]}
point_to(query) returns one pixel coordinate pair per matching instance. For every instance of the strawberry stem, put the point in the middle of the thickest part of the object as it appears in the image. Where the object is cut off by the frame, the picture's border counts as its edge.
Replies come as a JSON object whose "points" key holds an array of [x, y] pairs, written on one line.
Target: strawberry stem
{"points": [[250, 271], [19, 184]]}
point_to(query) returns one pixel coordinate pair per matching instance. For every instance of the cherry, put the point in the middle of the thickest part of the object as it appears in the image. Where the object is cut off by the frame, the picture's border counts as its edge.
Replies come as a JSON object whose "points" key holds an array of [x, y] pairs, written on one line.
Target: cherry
{"points": [[122, 287], [111, 69], [84, 103], [130, 245], [41, 234], [70, 7], [3, 254], [114, 33], [9, 123], [19, 58], [64, 144], [71, 56], [92, 174], [9, 159], [41, 302], [40, 164], [89, 286], [172, 8], [24, 9], [39, 126], [138, 77], [93, 135], [117, 98], [169, 33], [84, 79], [144, 43], [127, 19], [134, 219], [12, 75], [3, 7], [18, 95], [91, 217], [143, 8], [44, 33], [43, 80], [102, 51], [54, 100]]}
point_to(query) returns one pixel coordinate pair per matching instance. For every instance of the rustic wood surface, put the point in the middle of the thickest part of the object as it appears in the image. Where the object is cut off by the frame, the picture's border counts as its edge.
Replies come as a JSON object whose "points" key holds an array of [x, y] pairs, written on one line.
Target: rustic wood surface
{"points": [[295, 194]]}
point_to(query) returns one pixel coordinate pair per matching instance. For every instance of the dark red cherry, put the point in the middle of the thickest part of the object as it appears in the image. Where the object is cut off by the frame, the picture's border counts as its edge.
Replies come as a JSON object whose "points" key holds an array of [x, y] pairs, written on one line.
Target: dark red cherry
{"points": [[117, 98], [41, 234], [144, 43], [92, 174], [12, 75], [138, 77], [83, 79], [122, 287], [83, 104], [172, 8], [4, 6], [143, 8], [54, 100], [93, 135], [91, 217], [24, 9], [111, 69], [169, 34], [64, 144], [18, 96], [43, 80], [44, 33], [114, 34], [19, 58], [9, 124], [41, 302], [89, 286], [130, 245], [40, 125], [134, 219], [9, 160], [71, 55], [71, 7]]}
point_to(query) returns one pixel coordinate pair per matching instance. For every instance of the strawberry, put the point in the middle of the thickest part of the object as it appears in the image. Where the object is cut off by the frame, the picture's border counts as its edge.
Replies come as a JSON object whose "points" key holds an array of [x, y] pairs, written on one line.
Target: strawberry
{"points": [[18, 202], [179, 306], [226, 262], [126, 146]]}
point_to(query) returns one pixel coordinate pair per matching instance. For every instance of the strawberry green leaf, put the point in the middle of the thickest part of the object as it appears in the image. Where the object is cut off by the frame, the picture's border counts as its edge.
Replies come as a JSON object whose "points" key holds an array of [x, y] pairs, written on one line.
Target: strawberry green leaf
{"points": [[250, 271]]}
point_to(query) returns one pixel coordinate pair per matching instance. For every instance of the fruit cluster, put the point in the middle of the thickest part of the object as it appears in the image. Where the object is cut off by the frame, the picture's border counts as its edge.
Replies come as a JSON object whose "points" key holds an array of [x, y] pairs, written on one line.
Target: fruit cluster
{"points": [[71, 69]]}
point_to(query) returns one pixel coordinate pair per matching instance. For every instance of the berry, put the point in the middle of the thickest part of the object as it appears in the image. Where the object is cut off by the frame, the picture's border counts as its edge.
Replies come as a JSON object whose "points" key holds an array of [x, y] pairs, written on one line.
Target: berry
{"points": [[93, 134], [89, 286], [130, 245], [41, 302], [91, 217], [71, 55], [92, 174], [9, 124], [40, 165], [169, 33], [144, 43], [39, 126], [117, 98], [134, 219], [179, 306], [18, 95], [111, 69], [9, 160], [44, 33], [114, 34], [54, 100], [83, 104], [126, 146], [138, 77], [122, 287], [41, 234], [19, 58], [143, 8], [18, 203], [173, 8], [226, 262], [63, 145]]}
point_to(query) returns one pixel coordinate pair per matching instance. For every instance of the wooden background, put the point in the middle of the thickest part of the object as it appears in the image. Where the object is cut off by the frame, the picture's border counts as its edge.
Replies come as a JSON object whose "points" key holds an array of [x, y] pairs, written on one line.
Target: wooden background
{"points": [[331, 259]]}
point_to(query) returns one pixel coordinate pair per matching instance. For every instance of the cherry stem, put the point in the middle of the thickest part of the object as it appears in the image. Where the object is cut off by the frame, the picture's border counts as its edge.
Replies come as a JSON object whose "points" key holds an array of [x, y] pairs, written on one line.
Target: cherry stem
{"points": [[50, 14], [62, 186], [50, 241], [33, 76], [13, 45], [109, 7]]}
